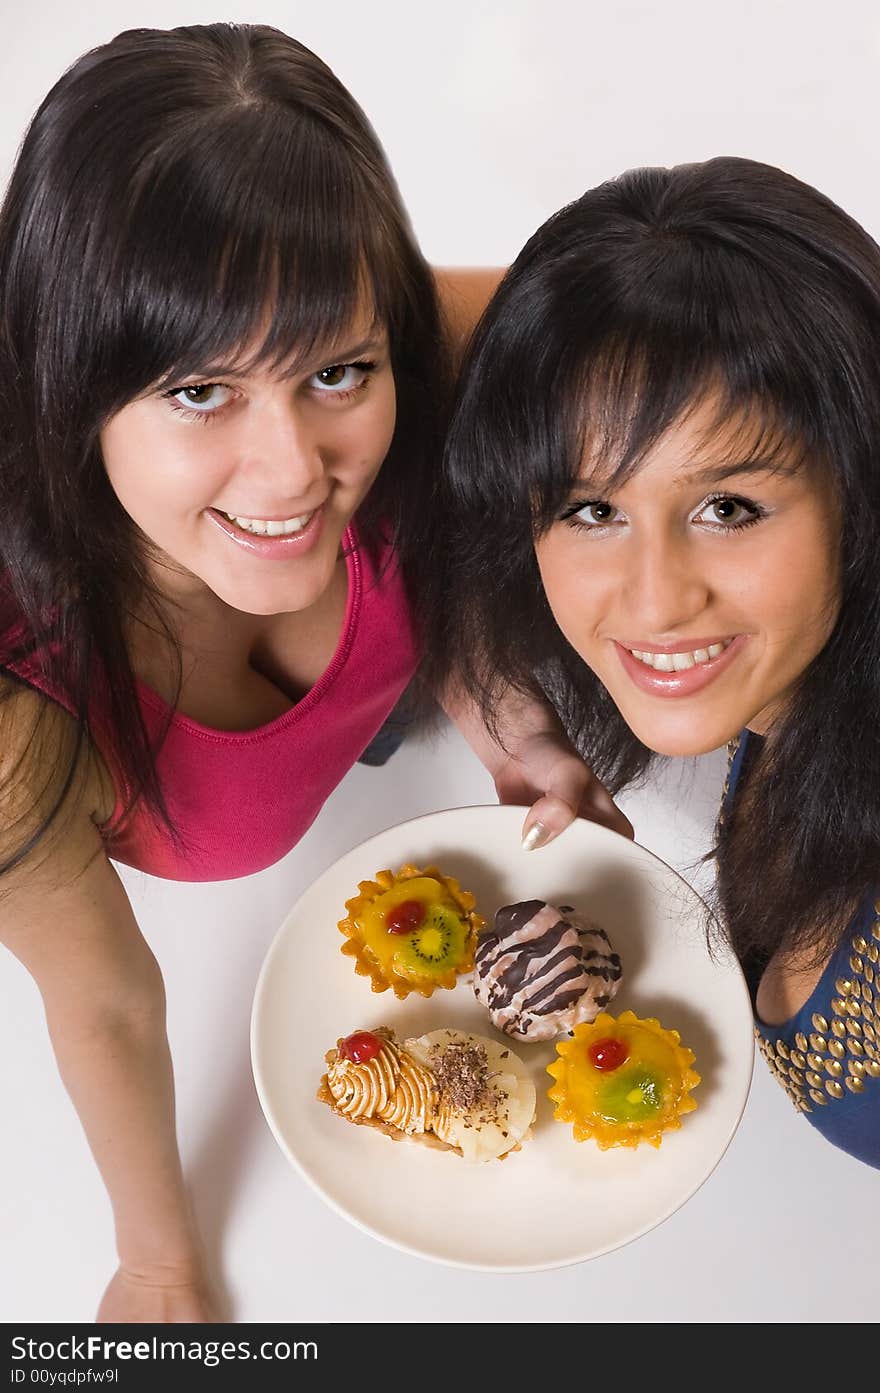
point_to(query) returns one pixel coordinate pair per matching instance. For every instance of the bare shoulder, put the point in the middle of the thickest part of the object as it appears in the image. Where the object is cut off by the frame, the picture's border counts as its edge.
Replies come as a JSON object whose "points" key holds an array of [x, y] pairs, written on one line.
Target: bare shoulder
{"points": [[50, 778], [464, 292]]}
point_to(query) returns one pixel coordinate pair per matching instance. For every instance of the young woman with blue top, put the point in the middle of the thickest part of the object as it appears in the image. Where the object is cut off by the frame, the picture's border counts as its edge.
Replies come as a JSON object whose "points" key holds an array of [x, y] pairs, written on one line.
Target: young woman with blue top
{"points": [[670, 420]]}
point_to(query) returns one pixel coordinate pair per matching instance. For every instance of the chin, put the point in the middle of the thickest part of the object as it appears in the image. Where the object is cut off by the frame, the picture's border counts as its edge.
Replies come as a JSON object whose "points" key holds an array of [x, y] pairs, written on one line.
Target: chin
{"points": [[264, 603], [684, 742]]}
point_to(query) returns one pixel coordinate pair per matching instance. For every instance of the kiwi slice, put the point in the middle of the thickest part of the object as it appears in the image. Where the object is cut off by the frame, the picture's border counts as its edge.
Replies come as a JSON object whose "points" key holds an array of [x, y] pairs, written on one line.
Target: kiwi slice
{"points": [[632, 1095], [437, 946]]}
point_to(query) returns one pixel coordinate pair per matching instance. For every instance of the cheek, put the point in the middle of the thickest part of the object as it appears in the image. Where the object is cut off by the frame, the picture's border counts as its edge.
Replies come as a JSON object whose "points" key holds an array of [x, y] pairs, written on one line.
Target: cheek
{"points": [[571, 588], [183, 474], [355, 444], [796, 593]]}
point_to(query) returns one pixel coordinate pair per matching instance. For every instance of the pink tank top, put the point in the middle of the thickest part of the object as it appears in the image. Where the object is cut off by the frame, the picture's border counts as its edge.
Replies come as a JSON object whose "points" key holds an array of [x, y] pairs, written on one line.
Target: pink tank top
{"points": [[239, 800]]}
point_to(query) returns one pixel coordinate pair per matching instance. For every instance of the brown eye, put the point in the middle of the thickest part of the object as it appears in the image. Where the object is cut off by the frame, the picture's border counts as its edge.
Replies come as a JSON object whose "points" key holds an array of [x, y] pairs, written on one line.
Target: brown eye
{"points": [[342, 379], [332, 377], [596, 514], [201, 397], [728, 512]]}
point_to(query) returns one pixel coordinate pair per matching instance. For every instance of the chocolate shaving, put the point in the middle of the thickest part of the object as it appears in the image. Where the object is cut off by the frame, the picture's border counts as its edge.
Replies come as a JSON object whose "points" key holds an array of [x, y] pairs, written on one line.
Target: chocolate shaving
{"points": [[462, 1074]]}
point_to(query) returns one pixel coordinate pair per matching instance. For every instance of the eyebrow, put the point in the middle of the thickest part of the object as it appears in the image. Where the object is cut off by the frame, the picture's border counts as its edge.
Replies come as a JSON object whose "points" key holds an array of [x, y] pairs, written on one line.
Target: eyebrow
{"points": [[713, 474]]}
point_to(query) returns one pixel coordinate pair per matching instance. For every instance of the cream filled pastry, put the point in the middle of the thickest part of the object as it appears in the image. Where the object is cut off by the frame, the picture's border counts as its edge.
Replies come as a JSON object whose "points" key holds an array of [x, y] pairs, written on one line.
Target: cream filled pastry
{"points": [[450, 1089], [540, 970]]}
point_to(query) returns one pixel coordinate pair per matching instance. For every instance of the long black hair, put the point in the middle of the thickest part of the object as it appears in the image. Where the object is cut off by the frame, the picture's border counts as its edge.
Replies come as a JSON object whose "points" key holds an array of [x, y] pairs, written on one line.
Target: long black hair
{"points": [[178, 196], [628, 306]]}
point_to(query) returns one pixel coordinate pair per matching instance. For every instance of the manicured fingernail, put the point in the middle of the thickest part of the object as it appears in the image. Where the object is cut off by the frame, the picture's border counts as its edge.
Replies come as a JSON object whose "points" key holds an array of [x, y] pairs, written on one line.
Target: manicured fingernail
{"points": [[536, 836]]}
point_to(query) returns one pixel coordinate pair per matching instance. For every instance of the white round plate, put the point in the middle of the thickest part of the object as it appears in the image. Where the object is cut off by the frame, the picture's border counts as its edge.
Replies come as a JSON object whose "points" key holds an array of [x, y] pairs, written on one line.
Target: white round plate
{"points": [[555, 1201]]}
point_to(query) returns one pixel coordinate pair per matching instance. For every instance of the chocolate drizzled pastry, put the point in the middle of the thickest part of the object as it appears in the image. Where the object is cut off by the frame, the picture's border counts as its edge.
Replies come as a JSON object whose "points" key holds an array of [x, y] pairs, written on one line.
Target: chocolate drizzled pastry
{"points": [[540, 970]]}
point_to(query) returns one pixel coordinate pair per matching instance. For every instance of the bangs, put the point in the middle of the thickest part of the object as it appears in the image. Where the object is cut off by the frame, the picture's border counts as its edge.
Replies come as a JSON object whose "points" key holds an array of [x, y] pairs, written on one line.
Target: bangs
{"points": [[692, 328], [248, 236], [626, 403]]}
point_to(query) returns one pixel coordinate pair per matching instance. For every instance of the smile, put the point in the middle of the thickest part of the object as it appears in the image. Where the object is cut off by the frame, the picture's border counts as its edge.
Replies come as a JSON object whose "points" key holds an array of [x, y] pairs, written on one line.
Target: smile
{"points": [[265, 527], [680, 662], [271, 539], [682, 674]]}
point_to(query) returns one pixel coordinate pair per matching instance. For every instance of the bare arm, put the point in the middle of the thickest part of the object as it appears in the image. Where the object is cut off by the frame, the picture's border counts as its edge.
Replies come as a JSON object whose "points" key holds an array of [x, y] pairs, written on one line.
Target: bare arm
{"points": [[464, 293], [65, 915]]}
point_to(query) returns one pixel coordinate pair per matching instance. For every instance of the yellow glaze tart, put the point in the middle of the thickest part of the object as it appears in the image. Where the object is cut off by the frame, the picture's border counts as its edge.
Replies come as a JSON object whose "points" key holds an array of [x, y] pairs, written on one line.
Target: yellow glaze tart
{"points": [[622, 1082], [413, 931]]}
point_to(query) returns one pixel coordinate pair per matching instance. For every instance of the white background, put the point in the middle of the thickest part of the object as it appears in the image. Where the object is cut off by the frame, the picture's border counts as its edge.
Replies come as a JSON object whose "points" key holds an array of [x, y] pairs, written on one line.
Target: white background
{"points": [[493, 115]]}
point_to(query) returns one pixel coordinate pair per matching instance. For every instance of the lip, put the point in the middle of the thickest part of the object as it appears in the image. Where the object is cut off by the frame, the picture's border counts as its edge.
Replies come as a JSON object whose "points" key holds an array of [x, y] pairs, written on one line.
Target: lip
{"points": [[678, 684], [685, 646], [271, 548]]}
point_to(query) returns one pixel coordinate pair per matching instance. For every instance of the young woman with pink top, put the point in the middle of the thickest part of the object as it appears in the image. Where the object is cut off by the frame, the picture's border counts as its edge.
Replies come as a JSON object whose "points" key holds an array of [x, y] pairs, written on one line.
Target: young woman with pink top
{"points": [[223, 378]]}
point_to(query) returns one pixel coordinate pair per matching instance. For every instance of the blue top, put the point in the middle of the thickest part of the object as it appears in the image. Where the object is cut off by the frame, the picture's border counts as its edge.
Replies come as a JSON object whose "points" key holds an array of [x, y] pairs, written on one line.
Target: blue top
{"points": [[827, 1057]]}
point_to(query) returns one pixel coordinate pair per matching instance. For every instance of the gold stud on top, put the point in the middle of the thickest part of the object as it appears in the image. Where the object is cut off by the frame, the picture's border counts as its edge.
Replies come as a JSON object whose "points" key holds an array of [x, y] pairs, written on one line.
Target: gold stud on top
{"points": [[855, 1085], [834, 1089], [859, 944], [843, 986], [836, 1048], [818, 1097], [801, 1041], [820, 1024]]}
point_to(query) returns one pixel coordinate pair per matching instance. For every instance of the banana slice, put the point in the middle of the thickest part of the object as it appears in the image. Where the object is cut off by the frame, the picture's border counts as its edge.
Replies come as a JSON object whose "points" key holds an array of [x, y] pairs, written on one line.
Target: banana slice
{"points": [[487, 1097]]}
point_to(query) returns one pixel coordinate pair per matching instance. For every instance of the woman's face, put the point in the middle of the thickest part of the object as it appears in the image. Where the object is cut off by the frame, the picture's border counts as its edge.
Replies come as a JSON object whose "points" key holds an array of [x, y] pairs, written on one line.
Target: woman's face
{"points": [[699, 590], [244, 481]]}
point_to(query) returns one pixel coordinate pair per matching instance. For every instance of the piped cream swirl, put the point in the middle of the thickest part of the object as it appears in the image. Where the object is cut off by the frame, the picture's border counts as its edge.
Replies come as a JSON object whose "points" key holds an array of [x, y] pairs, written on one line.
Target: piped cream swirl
{"points": [[392, 1087]]}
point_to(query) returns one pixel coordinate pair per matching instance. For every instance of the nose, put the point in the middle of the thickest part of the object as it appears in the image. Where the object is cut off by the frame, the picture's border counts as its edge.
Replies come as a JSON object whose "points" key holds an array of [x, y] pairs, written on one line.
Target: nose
{"points": [[665, 586], [280, 454]]}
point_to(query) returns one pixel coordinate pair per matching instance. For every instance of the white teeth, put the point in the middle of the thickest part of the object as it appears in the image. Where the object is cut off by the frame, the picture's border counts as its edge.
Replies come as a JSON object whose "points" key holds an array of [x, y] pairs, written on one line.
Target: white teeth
{"points": [[271, 529], [680, 662]]}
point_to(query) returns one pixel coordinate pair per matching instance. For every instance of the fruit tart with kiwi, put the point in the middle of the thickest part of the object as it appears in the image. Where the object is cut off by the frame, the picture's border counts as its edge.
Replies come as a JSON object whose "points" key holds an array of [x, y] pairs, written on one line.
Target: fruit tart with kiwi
{"points": [[622, 1082], [413, 931]]}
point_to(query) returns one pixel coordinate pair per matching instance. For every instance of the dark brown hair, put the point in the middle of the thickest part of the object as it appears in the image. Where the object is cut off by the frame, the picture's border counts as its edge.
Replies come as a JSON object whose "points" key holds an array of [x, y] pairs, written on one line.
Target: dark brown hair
{"points": [[618, 315], [175, 190]]}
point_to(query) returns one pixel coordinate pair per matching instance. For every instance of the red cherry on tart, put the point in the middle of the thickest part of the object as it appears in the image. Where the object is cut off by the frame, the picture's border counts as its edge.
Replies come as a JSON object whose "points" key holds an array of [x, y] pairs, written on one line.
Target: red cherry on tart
{"points": [[405, 917], [360, 1047], [608, 1054]]}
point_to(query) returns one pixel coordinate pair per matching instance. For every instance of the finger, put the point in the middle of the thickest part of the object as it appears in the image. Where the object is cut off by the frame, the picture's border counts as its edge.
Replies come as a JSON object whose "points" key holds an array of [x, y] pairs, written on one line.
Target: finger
{"points": [[545, 820], [573, 783], [551, 815], [597, 805]]}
